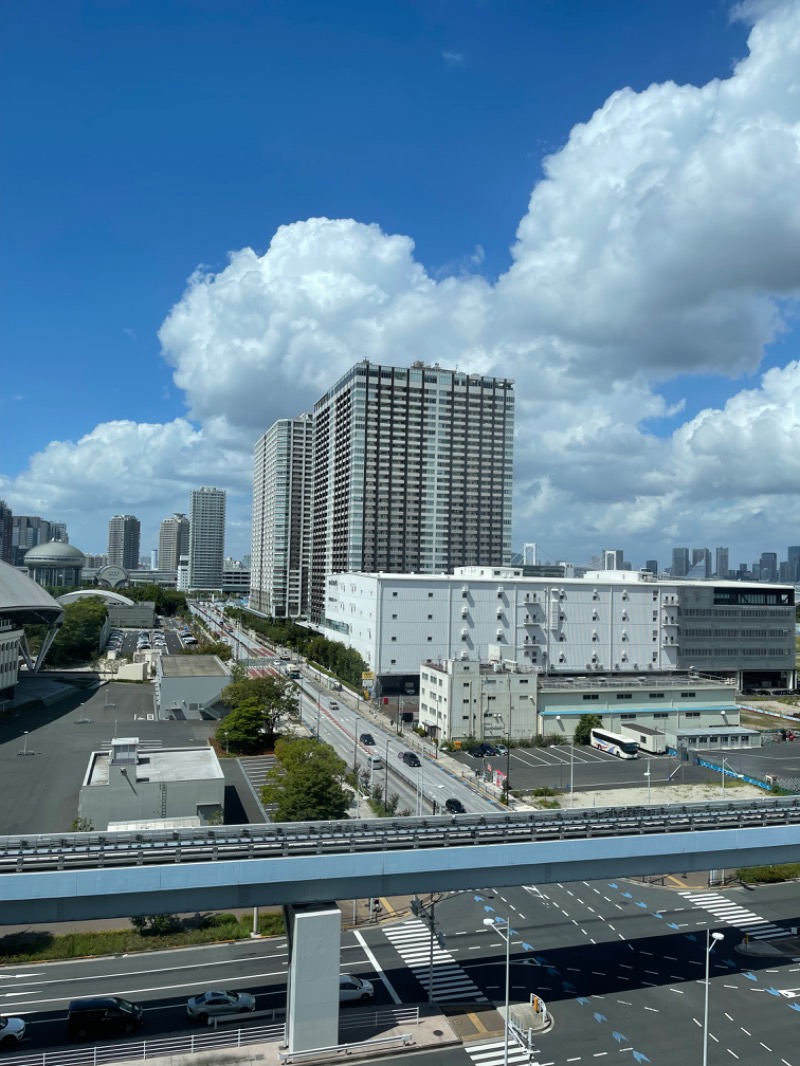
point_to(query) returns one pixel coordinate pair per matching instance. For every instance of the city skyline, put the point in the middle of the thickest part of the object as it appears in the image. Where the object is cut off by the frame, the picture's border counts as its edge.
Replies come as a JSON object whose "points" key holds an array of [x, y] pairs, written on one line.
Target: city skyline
{"points": [[611, 226]]}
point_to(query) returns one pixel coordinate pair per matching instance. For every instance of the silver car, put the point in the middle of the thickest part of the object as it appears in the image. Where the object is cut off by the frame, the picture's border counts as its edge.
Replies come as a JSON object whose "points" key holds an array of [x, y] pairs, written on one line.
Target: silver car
{"points": [[12, 1031], [351, 987], [212, 1004]]}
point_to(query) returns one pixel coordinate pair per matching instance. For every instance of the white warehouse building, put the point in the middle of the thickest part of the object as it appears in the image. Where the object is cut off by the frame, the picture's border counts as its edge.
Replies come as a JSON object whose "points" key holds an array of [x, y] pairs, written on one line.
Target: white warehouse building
{"points": [[608, 622]]}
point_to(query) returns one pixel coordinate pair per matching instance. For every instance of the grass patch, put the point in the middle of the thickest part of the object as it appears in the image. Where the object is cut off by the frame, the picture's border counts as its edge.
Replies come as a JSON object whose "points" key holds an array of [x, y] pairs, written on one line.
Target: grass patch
{"points": [[43, 946], [768, 875]]}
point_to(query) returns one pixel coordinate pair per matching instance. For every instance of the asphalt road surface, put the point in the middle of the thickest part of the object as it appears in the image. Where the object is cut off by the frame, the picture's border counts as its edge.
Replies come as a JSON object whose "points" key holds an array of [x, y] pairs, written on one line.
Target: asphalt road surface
{"points": [[621, 967]]}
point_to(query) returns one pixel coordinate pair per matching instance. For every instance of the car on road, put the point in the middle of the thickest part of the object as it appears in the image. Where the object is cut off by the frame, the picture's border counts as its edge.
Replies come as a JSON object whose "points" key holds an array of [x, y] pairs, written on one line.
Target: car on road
{"points": [[102, 1016], [367, 739], [475, 752], [454, 806], [12, 1031], [410, 759], [351, 988], [220, 1001]]}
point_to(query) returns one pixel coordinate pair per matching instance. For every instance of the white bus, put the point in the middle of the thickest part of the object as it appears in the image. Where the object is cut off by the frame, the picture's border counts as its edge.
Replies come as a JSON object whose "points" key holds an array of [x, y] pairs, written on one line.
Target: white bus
{"points": [[614, 744]]}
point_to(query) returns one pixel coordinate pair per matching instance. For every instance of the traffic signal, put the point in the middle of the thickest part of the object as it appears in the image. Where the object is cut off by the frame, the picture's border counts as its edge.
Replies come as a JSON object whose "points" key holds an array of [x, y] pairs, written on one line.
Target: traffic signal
{"points": [[416, 906]]}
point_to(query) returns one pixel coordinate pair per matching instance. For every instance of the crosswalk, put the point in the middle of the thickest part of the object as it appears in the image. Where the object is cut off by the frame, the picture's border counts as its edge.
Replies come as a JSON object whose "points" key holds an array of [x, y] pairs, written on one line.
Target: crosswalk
{"points": [[412, 941], [494, 1054], [725, 910]]}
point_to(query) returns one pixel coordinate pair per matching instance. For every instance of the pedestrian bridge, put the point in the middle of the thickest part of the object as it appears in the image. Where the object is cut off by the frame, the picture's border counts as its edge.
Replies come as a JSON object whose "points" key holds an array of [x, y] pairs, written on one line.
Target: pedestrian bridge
{"points": [[79, 876]]}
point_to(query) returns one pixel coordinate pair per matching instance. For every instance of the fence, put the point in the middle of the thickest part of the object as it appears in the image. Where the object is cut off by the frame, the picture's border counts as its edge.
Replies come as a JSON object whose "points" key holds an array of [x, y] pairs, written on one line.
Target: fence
{"points": [[203, 1040], [140, 1051]]}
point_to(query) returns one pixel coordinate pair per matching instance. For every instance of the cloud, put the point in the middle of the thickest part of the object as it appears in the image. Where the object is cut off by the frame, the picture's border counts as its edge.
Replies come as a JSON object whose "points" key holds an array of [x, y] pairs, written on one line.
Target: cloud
{"points": [[663, 240], [453, 59]]}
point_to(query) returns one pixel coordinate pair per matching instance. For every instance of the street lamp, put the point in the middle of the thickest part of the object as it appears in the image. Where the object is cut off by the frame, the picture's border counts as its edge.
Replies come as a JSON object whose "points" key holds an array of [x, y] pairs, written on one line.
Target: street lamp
{"points": [[507, 937], [647, 775], [712, 939]]}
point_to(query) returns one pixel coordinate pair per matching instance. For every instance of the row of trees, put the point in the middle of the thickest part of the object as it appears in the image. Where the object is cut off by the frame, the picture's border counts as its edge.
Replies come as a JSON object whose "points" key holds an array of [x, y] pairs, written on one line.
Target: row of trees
{"points": [[342, 662], [78, 638]]}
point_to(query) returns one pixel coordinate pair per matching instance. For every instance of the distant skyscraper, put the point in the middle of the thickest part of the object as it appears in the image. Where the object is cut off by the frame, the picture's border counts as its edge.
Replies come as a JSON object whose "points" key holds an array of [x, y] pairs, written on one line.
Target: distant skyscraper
{"points": [[701, 563], [58, 531], [768, 567], [793, 558], [283, 482], [412, 472], [124, 531], [6, 533], [613, 559], [652, 566], [206, 538], [680, 562], [722, 566], [173, 541], [27, 531]]}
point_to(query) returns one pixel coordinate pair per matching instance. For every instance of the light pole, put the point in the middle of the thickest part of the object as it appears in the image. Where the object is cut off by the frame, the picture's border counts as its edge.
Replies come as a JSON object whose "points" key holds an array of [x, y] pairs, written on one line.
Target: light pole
{"points": [[647, 775], [711, 940], [507, 937], [355, 747], [386, 778], [24, 743]]}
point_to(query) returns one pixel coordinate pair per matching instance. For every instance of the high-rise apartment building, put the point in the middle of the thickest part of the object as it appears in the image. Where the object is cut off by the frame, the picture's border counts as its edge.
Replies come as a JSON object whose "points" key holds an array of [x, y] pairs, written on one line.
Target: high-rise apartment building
{"points": [[412, 473], [173, 541], [6, 533], [652, 566], [768, 567], [701, 564], [124, 532], [680, 562], [282, 495], [58, 531], [206, 538], [721, 564], [793, 559], [28, 531]]}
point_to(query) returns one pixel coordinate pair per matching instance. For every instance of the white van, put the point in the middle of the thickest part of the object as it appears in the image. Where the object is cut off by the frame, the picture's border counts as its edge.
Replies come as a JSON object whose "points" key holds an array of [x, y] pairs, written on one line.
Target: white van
{"points": [[374, 762]]}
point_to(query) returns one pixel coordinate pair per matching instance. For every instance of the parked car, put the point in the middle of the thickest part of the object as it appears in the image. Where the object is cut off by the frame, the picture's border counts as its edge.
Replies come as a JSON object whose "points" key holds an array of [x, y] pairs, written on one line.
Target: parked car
{"points": [[12, 1031], [367, 739], [212, 1004], [410, 759], [475, 752], [454, 806], [351, 987], [102, 1016], [500, 749]]}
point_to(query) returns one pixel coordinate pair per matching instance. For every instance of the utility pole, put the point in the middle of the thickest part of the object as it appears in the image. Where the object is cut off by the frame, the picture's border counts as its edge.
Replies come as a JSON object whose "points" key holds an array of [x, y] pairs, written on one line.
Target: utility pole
{"points": [[429, 918]]}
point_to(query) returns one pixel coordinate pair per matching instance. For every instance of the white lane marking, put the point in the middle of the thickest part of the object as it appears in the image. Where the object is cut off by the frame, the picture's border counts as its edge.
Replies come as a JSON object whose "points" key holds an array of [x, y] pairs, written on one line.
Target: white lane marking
{"points": [[678, 990]]}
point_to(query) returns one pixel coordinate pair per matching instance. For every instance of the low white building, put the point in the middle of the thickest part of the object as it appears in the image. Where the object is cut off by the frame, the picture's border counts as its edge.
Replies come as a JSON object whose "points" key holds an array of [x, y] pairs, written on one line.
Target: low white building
{"points": [[189, 686], [464, 699], [127, 784], [618, 622]]}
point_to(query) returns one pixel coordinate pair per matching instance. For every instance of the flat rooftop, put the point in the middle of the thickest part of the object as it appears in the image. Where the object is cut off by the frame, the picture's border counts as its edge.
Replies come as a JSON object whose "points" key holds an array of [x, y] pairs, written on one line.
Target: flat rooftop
{"points": [[172, 764], [192, 666], [628, 683]]}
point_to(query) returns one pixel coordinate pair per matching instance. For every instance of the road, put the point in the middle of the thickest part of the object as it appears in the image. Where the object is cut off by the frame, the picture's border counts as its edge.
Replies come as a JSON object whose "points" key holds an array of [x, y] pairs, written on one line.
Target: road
{"points": [[619, 965]]}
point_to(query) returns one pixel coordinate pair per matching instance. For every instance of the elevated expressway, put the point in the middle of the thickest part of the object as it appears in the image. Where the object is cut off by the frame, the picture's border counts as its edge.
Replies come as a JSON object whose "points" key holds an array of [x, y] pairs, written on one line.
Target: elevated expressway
{"points": [[106, 875]]}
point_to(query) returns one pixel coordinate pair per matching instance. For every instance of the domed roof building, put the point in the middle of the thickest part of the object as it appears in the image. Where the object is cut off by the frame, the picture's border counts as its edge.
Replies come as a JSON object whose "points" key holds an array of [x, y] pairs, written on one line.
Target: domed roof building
{"points": [[56, 563], [21, 601]]}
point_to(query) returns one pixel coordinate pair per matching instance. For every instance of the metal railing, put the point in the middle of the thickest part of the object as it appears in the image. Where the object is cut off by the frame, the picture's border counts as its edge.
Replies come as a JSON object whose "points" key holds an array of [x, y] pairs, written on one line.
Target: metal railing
{"points": [[202, 844], [140, 1051]]}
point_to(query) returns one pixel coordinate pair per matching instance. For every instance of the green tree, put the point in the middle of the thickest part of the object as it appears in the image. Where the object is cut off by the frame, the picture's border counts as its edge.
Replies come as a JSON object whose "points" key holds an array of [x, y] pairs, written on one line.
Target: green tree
{"points": [[276, 696], [585, 725], [242, 731], [78, 639], [306, 783]]}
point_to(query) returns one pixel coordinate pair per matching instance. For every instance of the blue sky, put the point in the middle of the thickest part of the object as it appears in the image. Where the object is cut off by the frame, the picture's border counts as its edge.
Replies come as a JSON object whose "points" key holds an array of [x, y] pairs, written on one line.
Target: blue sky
{"points": [[146, 140]]}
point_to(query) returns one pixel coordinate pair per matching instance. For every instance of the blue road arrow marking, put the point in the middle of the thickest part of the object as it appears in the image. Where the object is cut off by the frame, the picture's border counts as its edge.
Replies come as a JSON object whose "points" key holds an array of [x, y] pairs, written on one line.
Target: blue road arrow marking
{"points": [[750, 976], [691, 936], [627, 895], [672, 925], [478, 899], [582, 1000], [613, 884], [598, 1017], [488, 908], [794, 1006], [640, 1056], [527, 947], [642, 905], [568, 986], [619, 1037], [772, 991], [655, 914]]}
